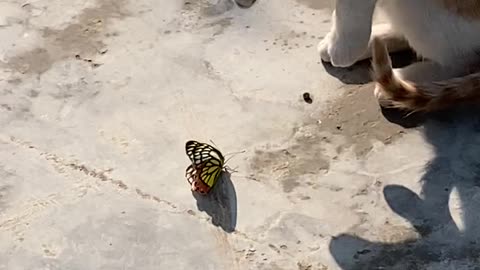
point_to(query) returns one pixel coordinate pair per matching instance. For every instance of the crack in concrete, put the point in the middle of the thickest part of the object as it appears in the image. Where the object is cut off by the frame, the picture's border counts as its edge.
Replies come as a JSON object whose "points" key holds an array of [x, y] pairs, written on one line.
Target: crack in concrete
{"points": [[60, 165]]}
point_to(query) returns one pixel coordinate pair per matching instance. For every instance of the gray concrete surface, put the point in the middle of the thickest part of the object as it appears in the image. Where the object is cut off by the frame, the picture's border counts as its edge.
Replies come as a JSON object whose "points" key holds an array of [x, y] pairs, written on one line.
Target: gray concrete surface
{"points": [[99, 97]]}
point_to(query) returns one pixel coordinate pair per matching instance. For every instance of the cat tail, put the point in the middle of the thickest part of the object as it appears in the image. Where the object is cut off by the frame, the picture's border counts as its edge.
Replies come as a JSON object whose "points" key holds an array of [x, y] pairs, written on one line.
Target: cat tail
{"points": [[426, 97]]}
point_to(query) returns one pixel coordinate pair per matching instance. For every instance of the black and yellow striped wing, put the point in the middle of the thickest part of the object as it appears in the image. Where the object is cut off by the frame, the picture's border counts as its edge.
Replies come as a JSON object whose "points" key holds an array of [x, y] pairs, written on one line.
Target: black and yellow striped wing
{"points": [[210, 172], [207, 165], [201, 152], [190, 174]]}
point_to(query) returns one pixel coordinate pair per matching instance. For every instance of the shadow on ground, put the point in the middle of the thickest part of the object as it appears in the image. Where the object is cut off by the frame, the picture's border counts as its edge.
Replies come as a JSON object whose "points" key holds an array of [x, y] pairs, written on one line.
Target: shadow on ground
{"points": [[245, 3], [455, 137], [220, 204], [360, 72]]}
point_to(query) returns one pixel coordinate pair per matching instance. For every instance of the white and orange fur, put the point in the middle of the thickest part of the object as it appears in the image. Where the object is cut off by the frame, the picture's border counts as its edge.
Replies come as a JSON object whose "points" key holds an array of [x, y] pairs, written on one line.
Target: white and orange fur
{"points": [[445, 32]]}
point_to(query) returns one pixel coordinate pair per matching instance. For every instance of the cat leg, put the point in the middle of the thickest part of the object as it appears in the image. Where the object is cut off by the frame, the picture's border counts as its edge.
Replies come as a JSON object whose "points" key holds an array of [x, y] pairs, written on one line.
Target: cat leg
{"points": [[350, 33], [394, 41]]}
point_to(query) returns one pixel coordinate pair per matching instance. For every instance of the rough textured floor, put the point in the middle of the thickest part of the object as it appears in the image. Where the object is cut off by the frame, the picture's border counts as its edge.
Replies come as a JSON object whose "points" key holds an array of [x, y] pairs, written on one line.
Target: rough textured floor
{"points": [[98, 97]]}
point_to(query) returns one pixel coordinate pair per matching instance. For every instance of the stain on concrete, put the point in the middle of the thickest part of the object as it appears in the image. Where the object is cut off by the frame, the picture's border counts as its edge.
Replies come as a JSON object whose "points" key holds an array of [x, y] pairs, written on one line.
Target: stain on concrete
{"points": [[8, 179], [357, 117], [316, 4], [292, 39], [202, 14], [304, 156], [17, 110], [80, 38], [37, 60], [207, 8], [220, 24], [15, 81], [217, 9], [33, 93], [69, 90], [4, 194], [83, 37]]}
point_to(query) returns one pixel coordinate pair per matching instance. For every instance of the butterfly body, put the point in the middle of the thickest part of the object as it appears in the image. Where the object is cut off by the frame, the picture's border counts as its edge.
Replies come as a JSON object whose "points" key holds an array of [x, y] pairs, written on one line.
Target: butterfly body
{"points": [[207, 165]]}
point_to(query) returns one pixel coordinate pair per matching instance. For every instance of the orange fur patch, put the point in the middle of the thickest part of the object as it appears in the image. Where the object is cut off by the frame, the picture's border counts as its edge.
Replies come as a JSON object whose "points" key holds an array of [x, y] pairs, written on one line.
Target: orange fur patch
{"points": [[431, 96]]}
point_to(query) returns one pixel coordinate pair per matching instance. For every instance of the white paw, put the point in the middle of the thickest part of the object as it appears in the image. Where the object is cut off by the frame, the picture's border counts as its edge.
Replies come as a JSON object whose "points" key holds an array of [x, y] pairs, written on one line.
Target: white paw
{"points": [[323, 47], [340, 52]]}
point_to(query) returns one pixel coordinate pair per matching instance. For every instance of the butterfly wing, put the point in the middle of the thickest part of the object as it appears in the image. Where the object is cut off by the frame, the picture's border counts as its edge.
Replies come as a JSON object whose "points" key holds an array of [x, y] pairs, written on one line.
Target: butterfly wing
{"points": [[190, 149], [210, 172], [190, 174], [193, 177], [207, 165], [198, 152]]}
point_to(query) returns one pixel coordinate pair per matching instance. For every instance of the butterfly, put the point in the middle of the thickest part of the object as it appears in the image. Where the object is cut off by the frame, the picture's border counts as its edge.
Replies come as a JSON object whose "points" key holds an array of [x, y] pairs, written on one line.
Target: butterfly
{"points": [[207, 165]]}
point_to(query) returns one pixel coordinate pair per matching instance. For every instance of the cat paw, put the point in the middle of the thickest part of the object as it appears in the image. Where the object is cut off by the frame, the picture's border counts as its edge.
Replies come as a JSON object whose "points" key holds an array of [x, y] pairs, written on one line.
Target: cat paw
{"points": [[338, 51], [323, 49], [341, 51]]}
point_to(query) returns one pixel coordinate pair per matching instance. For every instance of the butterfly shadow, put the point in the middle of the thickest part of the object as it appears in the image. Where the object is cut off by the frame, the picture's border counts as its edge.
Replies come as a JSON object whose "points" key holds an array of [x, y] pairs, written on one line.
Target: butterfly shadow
{"points": [[220, 204]]}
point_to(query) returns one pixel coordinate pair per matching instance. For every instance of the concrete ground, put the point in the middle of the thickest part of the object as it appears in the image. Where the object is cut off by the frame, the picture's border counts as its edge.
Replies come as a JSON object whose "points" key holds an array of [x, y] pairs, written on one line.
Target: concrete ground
{"points": [[98, 98]]}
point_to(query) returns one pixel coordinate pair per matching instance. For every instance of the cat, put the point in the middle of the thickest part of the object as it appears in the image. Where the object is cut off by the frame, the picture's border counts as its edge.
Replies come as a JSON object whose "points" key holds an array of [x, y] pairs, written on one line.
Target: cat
{"points": [[445, 32]]}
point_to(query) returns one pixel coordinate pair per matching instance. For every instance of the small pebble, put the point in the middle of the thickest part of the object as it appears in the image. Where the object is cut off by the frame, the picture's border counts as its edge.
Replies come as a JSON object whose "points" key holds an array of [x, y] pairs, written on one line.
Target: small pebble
{"points": [[307, 98]]}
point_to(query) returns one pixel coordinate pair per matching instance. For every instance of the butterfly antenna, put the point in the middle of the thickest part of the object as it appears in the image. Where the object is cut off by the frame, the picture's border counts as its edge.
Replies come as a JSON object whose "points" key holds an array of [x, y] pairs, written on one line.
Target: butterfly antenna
{"points": [[233, 155], [228, 154], [213, 143]]}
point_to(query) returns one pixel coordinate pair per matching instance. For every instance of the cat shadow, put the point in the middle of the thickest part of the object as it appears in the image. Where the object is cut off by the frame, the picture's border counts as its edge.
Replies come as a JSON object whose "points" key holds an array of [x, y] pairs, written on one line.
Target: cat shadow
{"points": [[403, 118], [360, 73], [245, 3], [439, 242], [220, 203]]}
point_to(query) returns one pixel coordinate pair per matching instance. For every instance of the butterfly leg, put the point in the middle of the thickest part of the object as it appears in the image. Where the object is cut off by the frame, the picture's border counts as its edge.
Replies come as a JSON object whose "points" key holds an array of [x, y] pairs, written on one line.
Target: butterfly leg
{"points": [[194, 186], [230, 170]]}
